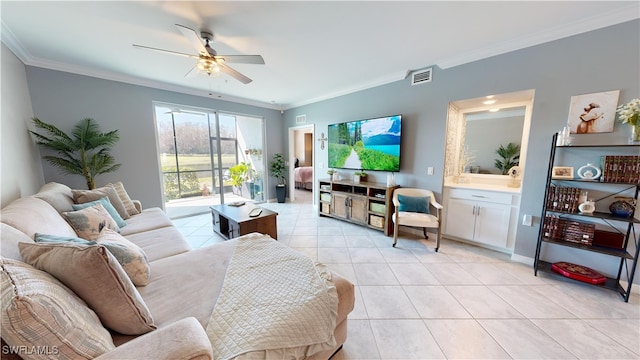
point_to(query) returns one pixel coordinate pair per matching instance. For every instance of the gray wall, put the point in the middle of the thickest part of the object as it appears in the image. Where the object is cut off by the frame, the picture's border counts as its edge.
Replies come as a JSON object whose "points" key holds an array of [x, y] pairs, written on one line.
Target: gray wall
{"points": [[20, 171], [63, 99], [556, 70]]}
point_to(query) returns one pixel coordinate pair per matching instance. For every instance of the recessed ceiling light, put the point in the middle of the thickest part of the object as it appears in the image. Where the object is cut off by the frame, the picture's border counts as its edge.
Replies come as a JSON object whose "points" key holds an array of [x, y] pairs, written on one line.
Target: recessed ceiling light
{"points": [[489, 102], [489, 96], [494, 110]]}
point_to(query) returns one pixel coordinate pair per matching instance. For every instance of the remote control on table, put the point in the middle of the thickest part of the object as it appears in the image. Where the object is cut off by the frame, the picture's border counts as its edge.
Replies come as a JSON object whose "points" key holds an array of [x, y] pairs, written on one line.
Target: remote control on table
{"points": [[255, 212]]}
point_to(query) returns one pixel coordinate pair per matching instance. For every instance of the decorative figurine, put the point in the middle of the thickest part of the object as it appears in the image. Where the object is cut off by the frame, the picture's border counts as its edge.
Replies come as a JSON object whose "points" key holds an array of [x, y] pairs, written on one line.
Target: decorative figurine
{"points": [[589, 172]]}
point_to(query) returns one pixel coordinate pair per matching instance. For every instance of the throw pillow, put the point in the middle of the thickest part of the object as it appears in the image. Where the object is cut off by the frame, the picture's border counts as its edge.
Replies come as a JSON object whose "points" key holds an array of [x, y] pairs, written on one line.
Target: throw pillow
{"points": [[38, 311], [83, 196], [96, 277], [124, 197], [133, 260], [88, 222], [107, 206], [47, 238], [57, 195], [413, 204]]}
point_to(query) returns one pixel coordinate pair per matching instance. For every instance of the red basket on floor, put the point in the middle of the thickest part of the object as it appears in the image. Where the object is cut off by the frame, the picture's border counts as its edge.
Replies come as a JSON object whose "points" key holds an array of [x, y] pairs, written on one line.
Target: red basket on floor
{"points": [[578, 272]]}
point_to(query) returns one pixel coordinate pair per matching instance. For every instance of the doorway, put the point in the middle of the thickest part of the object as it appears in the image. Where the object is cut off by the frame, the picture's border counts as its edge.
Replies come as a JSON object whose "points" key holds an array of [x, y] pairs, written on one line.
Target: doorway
{"points": [[301, 160], [208, 158]]}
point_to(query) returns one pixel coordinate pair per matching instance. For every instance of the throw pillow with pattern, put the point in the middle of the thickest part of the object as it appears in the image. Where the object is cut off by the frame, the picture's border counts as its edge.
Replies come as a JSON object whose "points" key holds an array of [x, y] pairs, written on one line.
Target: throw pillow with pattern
{"points": [[88, 222], [133, 260]]}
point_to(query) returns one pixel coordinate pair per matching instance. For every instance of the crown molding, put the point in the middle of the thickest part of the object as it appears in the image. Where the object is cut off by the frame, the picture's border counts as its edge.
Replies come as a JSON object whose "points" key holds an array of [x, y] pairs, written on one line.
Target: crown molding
{"points": [[9, 39], [364, 86], [598, 21]]}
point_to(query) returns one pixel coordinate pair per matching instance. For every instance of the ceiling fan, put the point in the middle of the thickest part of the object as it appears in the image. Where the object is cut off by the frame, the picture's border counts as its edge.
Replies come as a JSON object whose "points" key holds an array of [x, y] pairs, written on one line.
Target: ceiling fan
{"points": [[208, 60]]}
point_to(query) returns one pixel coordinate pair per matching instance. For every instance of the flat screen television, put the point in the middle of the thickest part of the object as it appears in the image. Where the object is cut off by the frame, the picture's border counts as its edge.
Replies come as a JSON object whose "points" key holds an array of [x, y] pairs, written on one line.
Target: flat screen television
{"points": [[371, 144]]}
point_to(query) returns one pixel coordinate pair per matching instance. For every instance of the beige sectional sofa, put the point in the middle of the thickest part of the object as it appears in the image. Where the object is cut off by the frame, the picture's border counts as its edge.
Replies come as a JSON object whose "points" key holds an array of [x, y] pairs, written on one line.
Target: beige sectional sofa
{"points": [[181, 294]]}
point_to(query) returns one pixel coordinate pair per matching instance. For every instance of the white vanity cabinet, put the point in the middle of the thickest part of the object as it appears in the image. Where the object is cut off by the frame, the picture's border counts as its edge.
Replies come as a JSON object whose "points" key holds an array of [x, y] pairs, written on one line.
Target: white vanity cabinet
{"points": [[480, 216]]}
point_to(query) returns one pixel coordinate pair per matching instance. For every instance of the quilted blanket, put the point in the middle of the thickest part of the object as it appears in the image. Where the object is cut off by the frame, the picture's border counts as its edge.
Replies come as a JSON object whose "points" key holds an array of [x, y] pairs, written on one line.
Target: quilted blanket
{"points": [[273, 298]]}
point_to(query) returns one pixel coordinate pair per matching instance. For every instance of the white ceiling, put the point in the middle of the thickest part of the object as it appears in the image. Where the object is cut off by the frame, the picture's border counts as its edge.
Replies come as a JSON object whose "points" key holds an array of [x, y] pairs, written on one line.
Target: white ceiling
{"points": [[312, 50]]}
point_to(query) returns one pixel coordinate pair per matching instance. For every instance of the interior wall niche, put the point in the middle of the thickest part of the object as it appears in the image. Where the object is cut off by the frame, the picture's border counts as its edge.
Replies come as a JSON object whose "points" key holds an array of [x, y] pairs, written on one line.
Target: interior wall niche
{"points": [[477, 127]]}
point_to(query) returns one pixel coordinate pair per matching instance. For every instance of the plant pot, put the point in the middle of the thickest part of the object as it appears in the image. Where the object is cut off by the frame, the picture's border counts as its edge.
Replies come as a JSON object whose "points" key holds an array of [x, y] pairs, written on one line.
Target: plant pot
{"points": [[281, 193]]}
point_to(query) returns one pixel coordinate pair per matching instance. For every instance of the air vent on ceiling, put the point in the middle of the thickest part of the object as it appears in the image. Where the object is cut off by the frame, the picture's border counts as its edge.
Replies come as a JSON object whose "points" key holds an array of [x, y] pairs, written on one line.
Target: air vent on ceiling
{"points": [[421, 76], [301, 119]]}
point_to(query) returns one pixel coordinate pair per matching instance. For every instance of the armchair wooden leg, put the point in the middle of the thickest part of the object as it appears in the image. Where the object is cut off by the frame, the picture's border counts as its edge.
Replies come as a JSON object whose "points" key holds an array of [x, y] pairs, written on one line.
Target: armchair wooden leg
{"points": [[424, 231], [395, 234]]}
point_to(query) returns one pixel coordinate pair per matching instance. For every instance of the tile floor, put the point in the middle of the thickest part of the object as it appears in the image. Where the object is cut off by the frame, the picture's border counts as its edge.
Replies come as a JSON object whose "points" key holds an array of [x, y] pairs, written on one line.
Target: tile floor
{"points": [[463, 302]]}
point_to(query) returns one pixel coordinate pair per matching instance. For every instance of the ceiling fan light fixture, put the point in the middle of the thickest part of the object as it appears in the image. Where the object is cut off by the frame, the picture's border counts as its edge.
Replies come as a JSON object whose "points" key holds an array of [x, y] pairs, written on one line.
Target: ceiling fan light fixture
{"points": [[209, 66]]}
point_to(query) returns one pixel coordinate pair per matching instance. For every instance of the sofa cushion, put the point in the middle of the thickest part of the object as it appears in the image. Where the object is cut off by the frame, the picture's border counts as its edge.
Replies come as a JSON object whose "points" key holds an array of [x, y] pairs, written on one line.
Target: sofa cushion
{"points": [[149, 219], [38, 311], [133, 260], [211, 263], [124, 197], [9, 239], [83, 196], [88, 222], [97, 277], [160, 243], [107, 206], [31, 215], [57, 195], [129, 255]]}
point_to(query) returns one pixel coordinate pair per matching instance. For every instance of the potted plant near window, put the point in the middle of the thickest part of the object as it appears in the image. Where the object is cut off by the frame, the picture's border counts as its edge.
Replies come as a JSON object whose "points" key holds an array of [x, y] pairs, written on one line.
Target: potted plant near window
{"points": [[359, 176], [238, 175], [278, 171]]}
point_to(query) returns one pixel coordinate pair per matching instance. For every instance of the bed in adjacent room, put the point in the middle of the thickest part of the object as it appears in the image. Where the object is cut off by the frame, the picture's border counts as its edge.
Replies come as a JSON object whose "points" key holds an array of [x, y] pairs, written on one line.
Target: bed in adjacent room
{"points": [[303, 177]]}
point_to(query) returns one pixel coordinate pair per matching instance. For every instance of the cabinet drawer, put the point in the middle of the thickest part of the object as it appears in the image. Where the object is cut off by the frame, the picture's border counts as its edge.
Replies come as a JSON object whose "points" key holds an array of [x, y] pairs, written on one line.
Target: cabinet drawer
{"points": [[480, 195]]}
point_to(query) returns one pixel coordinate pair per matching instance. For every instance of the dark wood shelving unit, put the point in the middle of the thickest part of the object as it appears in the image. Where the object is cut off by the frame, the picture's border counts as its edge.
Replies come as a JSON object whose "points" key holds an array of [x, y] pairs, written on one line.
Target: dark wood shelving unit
{"points": [[627, 259]]}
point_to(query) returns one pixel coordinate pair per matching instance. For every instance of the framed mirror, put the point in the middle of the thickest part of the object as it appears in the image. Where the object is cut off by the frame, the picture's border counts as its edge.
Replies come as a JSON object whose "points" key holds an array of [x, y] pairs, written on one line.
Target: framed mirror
{"points": [[485, 132]]}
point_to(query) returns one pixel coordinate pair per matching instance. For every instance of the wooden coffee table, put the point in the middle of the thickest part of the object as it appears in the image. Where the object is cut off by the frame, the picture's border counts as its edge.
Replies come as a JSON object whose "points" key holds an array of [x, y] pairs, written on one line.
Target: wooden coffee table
{"points": [[233, 221]]}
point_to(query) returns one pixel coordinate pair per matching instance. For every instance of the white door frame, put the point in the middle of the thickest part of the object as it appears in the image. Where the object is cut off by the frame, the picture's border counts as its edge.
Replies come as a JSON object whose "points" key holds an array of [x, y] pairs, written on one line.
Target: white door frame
{"points": [[292, 159]]}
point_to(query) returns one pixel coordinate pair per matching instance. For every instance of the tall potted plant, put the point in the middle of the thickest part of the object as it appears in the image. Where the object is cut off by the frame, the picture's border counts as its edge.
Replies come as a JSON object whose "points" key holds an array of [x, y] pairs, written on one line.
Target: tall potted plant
{"points": [[84, 152], [278, 171]]}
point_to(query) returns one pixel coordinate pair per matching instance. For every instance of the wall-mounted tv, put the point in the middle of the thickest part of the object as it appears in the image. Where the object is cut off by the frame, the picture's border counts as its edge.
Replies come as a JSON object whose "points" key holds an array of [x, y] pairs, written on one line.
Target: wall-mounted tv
{"points": [[371, 144]]}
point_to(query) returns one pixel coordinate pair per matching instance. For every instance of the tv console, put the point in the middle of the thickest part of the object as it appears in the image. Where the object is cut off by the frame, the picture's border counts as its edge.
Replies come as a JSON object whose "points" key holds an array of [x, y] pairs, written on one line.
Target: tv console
{"points": [[366, 203]]}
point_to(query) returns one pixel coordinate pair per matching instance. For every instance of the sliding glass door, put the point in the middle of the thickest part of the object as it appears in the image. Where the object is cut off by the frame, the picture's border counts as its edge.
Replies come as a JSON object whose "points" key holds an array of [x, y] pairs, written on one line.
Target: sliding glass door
{"points": [[208, 158]]}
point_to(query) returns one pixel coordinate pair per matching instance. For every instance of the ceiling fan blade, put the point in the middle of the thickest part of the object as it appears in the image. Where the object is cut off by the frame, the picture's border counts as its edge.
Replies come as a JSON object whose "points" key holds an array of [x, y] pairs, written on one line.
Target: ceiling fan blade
{"points": [[236, 75], [242, 59], [192, 72], [193, 38], [165, 51]]}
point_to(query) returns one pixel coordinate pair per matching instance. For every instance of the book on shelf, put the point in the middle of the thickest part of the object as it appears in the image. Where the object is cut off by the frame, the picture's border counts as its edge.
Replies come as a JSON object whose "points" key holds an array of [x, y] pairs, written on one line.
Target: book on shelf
{"points": [[620, 168], [559, 229], [562, 198]]}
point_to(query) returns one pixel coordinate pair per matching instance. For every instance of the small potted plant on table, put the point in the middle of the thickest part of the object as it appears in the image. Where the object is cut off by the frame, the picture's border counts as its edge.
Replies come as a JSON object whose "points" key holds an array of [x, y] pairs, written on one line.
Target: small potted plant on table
{"points": [[359, 176], [330, 172]]}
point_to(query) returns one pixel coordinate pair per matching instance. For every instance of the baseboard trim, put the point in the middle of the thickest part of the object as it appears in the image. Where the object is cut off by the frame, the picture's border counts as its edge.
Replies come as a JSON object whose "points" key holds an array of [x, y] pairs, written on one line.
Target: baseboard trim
{"points": [[522, 259]]}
